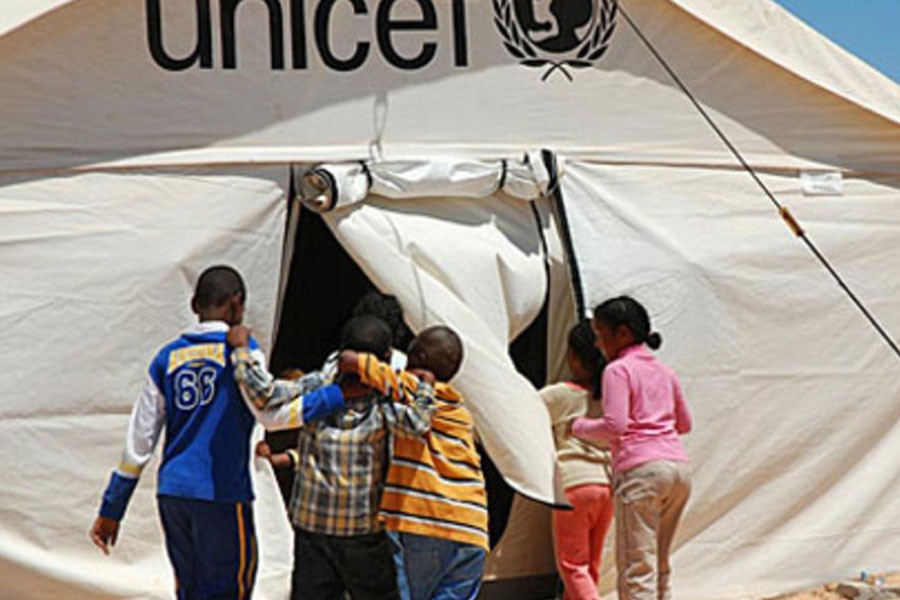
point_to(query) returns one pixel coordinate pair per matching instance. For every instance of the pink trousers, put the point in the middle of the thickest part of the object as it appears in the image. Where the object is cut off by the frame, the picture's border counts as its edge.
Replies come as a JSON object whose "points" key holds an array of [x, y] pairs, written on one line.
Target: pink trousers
{"points": [[578, 535]]}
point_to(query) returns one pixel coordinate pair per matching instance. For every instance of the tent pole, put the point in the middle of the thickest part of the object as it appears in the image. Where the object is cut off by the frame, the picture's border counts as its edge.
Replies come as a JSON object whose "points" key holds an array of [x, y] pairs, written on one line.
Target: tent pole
{"points": [[287, 252], [554, 194]]}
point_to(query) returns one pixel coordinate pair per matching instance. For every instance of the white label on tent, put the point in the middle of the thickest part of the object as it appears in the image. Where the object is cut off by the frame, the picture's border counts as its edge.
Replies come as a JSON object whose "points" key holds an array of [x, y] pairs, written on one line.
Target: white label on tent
{"points": [[822, 184]]}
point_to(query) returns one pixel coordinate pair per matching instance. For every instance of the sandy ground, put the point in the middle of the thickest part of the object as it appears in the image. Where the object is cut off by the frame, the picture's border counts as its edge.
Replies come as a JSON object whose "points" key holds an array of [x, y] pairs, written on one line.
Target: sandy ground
{"points": [[830, 591], [820, 594]]}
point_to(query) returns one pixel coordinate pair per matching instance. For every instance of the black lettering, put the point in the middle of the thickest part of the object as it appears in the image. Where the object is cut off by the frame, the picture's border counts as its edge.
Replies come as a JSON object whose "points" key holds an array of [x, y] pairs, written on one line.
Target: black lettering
{"points": [[202, 51], [298, 33], [385, 26], [228, 8], [323, 20], [460, 47]]}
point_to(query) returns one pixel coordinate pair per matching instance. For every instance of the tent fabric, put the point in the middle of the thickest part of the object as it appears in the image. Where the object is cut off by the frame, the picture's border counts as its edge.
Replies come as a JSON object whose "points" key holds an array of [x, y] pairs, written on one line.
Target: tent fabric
{"points": [[98, 272], [794, 395], [121, 179]]}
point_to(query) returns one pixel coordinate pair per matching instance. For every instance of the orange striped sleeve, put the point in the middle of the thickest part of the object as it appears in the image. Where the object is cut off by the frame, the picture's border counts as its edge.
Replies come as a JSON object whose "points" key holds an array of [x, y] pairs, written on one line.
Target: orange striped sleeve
{"points": [[401, 386]]}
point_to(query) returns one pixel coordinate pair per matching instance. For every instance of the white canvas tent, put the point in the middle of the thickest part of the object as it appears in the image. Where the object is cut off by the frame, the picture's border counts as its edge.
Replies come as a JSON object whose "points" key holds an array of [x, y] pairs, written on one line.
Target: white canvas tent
{"points": [[143, 141]]}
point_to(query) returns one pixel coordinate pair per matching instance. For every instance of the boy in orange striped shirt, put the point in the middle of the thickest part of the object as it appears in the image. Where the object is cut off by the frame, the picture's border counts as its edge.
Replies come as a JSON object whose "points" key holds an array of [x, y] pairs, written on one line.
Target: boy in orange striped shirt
{"points": [[434, 496]]}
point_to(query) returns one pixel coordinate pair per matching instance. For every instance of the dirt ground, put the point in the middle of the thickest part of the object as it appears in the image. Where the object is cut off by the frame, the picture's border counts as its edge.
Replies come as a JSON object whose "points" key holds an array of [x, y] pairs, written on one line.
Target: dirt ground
{"points": [[832, 591], [819, 594]]}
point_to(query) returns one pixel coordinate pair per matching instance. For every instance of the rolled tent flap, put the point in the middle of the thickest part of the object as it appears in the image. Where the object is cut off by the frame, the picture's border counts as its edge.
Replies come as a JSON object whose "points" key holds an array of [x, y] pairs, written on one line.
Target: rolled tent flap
{"points": [[527, 178], [330, 186], [421, 178], [327, 187]]}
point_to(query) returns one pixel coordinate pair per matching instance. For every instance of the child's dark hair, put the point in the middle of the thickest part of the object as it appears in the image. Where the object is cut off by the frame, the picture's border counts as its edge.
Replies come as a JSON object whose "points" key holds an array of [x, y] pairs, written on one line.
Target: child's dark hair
{"points": [[388, 309], [581, 343], [627, 311], [442, 350], [216, 285], [366, 334]]}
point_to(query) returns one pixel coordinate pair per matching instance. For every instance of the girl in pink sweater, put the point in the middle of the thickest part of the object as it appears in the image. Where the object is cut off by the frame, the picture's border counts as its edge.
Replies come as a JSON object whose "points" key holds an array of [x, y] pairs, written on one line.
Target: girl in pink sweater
{"points": [[643, 415]]}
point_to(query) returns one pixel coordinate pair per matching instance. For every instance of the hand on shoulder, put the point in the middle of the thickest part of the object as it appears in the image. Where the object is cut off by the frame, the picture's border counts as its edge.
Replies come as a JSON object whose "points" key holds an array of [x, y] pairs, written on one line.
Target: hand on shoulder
{"points": [[424, 375], [239, 336], [352, 388], [348, 361]]}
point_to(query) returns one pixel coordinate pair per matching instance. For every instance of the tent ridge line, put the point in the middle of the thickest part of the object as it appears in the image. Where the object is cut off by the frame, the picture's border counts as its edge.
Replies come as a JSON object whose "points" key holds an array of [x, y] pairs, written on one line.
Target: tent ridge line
{"points": [[507, 153], [182, 166], [760, 168]]}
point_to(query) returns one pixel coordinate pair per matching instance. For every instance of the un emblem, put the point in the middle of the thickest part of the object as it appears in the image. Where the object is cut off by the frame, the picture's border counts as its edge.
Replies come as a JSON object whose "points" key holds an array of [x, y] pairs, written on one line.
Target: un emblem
{"points": [[557, 34]]}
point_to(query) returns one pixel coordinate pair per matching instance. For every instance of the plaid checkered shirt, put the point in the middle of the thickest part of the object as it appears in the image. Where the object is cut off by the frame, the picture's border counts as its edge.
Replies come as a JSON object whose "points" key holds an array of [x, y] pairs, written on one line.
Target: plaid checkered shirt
{"points": [[343, 462], [266, 392], [343, 459]]}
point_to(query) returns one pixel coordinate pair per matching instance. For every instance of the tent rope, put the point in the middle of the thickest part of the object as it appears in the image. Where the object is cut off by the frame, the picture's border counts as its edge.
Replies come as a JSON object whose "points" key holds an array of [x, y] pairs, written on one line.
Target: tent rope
{"points": [[783, 211]]}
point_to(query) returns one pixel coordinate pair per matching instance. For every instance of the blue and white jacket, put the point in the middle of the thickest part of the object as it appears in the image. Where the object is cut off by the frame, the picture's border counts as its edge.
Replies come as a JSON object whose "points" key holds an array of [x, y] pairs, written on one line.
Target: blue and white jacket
{"points": [[190, 391]]}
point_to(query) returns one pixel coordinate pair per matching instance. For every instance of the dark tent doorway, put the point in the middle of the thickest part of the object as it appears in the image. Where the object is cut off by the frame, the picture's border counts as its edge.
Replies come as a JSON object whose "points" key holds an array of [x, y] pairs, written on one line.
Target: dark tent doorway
{"points": [[324, 284]]}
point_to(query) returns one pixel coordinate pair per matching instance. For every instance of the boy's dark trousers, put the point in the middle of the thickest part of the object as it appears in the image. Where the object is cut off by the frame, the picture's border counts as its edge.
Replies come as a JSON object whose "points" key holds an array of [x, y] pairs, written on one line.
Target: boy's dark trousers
{"points": [[211, 545], [327, 565]]}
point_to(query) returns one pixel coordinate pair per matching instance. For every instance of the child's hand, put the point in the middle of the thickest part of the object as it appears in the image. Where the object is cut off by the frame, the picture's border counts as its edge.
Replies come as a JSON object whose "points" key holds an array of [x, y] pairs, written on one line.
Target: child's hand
{"points": [[348, 361], [104, 533], [424, 375], [263, 450], [238, 336], [352, 388]]}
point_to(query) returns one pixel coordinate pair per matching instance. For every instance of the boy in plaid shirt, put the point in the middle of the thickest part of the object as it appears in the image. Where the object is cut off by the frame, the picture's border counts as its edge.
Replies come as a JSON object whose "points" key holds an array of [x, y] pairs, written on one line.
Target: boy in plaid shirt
{"points": [[339, 543]]}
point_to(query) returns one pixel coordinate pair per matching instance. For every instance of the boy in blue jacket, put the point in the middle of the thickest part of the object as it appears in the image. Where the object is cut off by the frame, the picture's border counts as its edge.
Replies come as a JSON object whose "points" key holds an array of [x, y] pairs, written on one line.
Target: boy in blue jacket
{"points": [[204, 490]]}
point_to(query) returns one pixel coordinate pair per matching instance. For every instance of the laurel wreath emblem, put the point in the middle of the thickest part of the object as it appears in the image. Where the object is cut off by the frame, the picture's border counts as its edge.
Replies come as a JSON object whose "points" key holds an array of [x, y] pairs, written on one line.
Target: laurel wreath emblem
{"points": [[591, 49]]}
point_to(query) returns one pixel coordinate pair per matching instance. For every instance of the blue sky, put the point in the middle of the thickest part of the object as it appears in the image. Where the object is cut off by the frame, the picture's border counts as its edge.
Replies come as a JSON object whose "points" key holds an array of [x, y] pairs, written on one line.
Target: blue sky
{"points": [[870, 29]]}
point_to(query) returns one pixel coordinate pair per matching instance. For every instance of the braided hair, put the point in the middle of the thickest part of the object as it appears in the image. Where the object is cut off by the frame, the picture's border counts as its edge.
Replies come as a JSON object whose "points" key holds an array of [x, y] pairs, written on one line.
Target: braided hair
{"points": [[627, 311], [581, 343]]}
